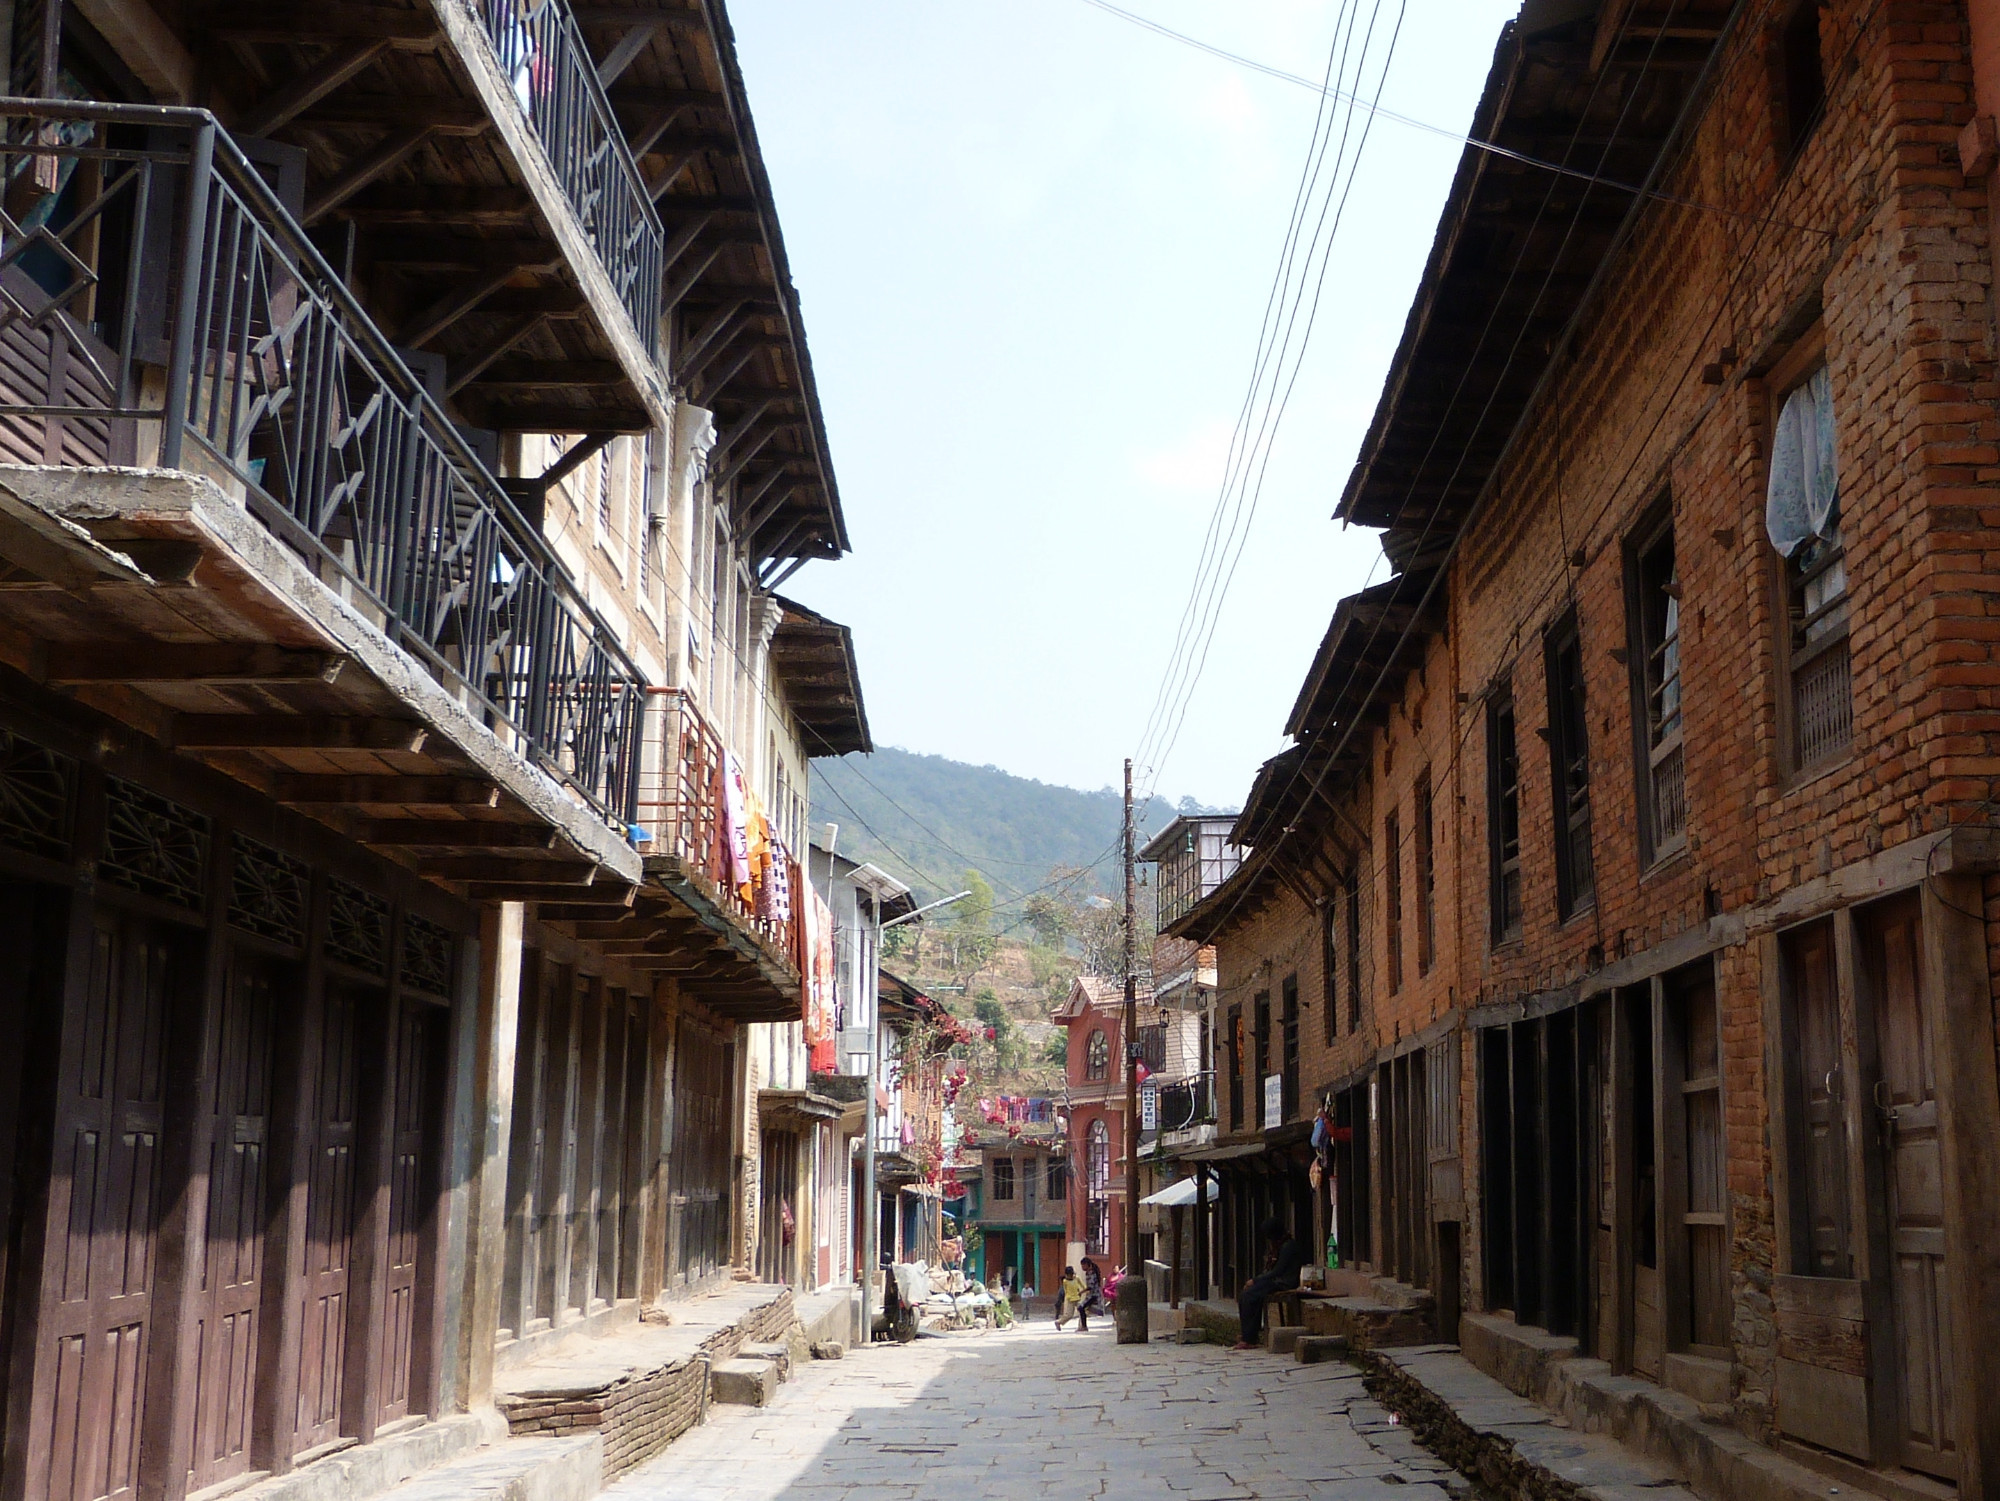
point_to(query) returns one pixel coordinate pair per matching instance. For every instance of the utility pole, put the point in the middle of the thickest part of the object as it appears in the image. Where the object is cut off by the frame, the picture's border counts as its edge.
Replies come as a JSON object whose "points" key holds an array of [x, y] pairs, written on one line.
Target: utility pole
{"points": [[1130, 1314]]}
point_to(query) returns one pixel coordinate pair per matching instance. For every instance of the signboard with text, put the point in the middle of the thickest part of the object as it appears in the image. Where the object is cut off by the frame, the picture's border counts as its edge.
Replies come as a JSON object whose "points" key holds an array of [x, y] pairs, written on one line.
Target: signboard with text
{"points": [[1274, 1101]]}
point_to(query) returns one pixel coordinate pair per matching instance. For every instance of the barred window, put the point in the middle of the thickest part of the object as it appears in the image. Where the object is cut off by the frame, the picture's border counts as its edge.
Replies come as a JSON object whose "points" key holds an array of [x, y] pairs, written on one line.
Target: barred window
{"points": [[1097, 1057], [1802, 517], [1426, 832], [1569, 770], [1656, 670], [1392, 903], [1003, 1179], [1100, 1159], [1236, 1062], [1503, 816]]}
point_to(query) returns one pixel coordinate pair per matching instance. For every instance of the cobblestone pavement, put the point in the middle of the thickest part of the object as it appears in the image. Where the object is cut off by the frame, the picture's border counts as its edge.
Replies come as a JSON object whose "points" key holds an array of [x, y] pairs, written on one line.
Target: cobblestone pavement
{"points": [[1033, 1414]]}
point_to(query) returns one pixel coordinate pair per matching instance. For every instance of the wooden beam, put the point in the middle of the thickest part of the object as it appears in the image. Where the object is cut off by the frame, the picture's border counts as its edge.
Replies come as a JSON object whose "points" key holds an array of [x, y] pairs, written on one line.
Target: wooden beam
{"points": [[675, 142], [446, 116], [173, 662], [684, 236], [433, 203], [641, 97], [494, 868], [600, 907], [395, 149], [640, 927], [713, 203], [524, 891], [320, 23], [468, 369], [658, 121], [552, 375], [703, 338], [733, 466], [455, 304], [295, 732], [712, 388], [627, 48], [457, 833], [684, 283], [574, 458], [640, 15], [311, 86], [553, 302], [376, 790], [555, 417], [447, 252]]}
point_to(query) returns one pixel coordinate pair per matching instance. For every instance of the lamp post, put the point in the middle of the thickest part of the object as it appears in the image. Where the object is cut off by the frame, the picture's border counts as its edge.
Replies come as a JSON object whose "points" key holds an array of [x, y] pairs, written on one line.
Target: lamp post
{"points": [[871, 1211]]}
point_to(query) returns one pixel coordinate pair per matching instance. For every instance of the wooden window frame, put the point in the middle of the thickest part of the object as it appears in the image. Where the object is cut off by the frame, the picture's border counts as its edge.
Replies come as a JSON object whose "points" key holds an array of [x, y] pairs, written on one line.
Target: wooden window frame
{"points": [[1569, 768], [1003, 1180], [1352, 895], [1392, 900], [1794, 657], [1329, 954], [1655, 662], [1425, 836], [1096, 1057], [1799, 87], [1236, 1060], [1288, 1025], [1503, 817]]}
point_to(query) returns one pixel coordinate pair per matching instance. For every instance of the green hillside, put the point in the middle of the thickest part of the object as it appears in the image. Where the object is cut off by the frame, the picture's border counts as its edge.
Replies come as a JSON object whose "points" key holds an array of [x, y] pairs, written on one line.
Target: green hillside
{"points": [[926, 820]]}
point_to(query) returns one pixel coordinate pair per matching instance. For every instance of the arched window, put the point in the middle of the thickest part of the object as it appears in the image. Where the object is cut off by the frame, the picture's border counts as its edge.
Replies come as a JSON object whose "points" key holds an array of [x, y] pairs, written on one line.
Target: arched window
{"points": [[1100, 1157], [1097, 1058]]}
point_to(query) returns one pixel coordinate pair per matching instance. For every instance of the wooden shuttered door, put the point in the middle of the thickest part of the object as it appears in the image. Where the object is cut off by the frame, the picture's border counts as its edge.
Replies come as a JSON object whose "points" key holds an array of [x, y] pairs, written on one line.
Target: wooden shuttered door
{"points": [[97, 1317], [225, 1341], [1906, 1104], [411, 1173], [331, 1165]]}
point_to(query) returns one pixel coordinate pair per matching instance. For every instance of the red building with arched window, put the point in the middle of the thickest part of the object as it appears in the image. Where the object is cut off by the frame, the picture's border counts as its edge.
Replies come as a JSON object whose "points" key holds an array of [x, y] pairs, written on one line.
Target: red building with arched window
{"points": [[1095, 1088]]}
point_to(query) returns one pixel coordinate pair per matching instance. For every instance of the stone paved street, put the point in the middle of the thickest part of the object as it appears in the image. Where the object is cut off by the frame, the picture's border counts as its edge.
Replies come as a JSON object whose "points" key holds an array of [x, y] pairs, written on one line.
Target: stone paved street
{"points": [[1032, 1414]]}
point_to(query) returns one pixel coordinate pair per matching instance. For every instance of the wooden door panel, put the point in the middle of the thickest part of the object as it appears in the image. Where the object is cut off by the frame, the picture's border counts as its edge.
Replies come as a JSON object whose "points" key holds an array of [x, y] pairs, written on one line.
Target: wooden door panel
{"points": [[95, 1330], [227, 1306], [407, 1204], [328, 1245], [1907, 1116]]}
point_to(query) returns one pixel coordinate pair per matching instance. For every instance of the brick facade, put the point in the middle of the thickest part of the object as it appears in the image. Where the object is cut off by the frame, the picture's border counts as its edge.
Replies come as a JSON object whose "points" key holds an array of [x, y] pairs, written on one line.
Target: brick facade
{"points": [[1654, 413]]}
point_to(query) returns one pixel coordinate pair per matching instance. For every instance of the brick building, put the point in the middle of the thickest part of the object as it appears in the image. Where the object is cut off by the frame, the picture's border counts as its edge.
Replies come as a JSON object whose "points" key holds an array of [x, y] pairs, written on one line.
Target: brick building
{"points": [[1633, 857]]}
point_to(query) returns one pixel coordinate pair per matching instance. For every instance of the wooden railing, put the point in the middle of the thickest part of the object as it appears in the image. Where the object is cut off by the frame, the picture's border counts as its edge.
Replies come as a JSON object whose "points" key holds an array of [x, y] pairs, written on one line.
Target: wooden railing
{"points": [[682, 805]]}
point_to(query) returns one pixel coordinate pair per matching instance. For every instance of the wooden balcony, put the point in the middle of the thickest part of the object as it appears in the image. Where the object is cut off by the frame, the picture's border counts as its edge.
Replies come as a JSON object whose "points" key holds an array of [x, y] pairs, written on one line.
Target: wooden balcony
{"points": [[239, 521]]}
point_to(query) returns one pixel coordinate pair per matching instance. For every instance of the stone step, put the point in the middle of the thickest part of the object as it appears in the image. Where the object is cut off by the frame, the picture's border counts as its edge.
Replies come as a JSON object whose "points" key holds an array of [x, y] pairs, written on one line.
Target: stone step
{"points": [[364, 1471], [743, 1383], [517, 1469]]}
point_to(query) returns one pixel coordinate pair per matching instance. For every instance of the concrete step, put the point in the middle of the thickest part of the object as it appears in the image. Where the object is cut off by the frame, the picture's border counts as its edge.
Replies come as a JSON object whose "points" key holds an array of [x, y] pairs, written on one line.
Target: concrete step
{"points": [[517, 1469]]}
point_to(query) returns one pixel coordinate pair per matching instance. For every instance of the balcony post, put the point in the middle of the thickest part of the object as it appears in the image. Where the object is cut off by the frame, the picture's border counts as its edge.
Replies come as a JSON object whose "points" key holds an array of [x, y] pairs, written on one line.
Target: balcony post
{"points": [[180, 361]]}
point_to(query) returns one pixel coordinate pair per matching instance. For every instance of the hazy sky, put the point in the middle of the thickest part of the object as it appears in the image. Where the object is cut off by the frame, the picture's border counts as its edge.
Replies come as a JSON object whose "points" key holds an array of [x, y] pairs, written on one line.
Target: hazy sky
{"points": [[1033, 245]]}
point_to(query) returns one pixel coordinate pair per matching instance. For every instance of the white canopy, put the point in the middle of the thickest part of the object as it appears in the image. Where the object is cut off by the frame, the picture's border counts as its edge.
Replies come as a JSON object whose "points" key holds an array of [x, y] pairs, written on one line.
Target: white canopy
{"points": [[1176, 1194]]}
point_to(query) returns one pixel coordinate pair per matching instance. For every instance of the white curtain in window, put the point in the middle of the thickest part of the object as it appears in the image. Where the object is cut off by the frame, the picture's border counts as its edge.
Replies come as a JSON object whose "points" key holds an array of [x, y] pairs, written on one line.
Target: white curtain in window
{"points": [[1799, 506]]}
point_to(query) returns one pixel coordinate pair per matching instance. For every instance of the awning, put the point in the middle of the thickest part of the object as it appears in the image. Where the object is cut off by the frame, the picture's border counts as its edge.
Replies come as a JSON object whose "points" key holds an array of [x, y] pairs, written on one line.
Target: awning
{"points": [[1223, 1154], [1175, 1195]]}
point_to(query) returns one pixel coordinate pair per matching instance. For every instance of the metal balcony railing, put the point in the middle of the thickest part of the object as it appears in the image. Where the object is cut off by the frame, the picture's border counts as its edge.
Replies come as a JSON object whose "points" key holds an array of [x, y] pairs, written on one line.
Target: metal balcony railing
{"points": [[153, 290], [682, 804], [545, 58]]}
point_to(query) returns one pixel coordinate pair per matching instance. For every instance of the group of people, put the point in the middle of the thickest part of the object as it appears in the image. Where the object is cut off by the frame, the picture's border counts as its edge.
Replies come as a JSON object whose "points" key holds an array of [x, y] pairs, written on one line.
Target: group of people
{"points": [[1079, 1295]]}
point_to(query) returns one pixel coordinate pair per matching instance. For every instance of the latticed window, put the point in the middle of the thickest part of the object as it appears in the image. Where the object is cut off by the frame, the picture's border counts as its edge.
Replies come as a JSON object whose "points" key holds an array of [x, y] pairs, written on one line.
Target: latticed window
{"points": [[1503, 816], [1099, 1159], [1003, 1179], [1153, 1048], [1802, 516], [1288, 1021], [1657, 670], [1235, 1045], [1097, 1057], [1569, 770]]}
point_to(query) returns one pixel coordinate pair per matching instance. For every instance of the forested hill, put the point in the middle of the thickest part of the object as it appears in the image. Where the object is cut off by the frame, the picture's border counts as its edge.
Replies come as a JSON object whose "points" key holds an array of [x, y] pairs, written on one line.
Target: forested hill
{"points": [[926, 820]]}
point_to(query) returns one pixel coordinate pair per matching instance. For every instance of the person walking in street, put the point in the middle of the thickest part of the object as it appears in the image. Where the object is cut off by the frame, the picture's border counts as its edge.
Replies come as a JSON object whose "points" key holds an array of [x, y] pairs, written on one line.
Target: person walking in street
{"points": [[1283, 1258], [1069, 1297], [1093, 1290]]}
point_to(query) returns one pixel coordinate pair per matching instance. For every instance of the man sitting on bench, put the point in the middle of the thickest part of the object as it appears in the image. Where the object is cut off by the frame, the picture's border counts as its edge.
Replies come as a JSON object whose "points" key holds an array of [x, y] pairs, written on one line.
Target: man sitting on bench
{"points": [[1283, 1257]]}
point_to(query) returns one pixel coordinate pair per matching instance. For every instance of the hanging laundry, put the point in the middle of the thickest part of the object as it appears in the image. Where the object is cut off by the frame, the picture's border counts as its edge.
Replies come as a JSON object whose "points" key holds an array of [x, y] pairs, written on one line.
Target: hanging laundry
{"points": [[735, 827]]}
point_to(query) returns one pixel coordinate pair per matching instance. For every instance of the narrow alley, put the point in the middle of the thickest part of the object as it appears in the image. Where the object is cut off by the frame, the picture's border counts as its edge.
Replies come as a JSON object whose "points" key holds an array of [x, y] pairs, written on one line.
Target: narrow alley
{"points": [[1033, 1414]]}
